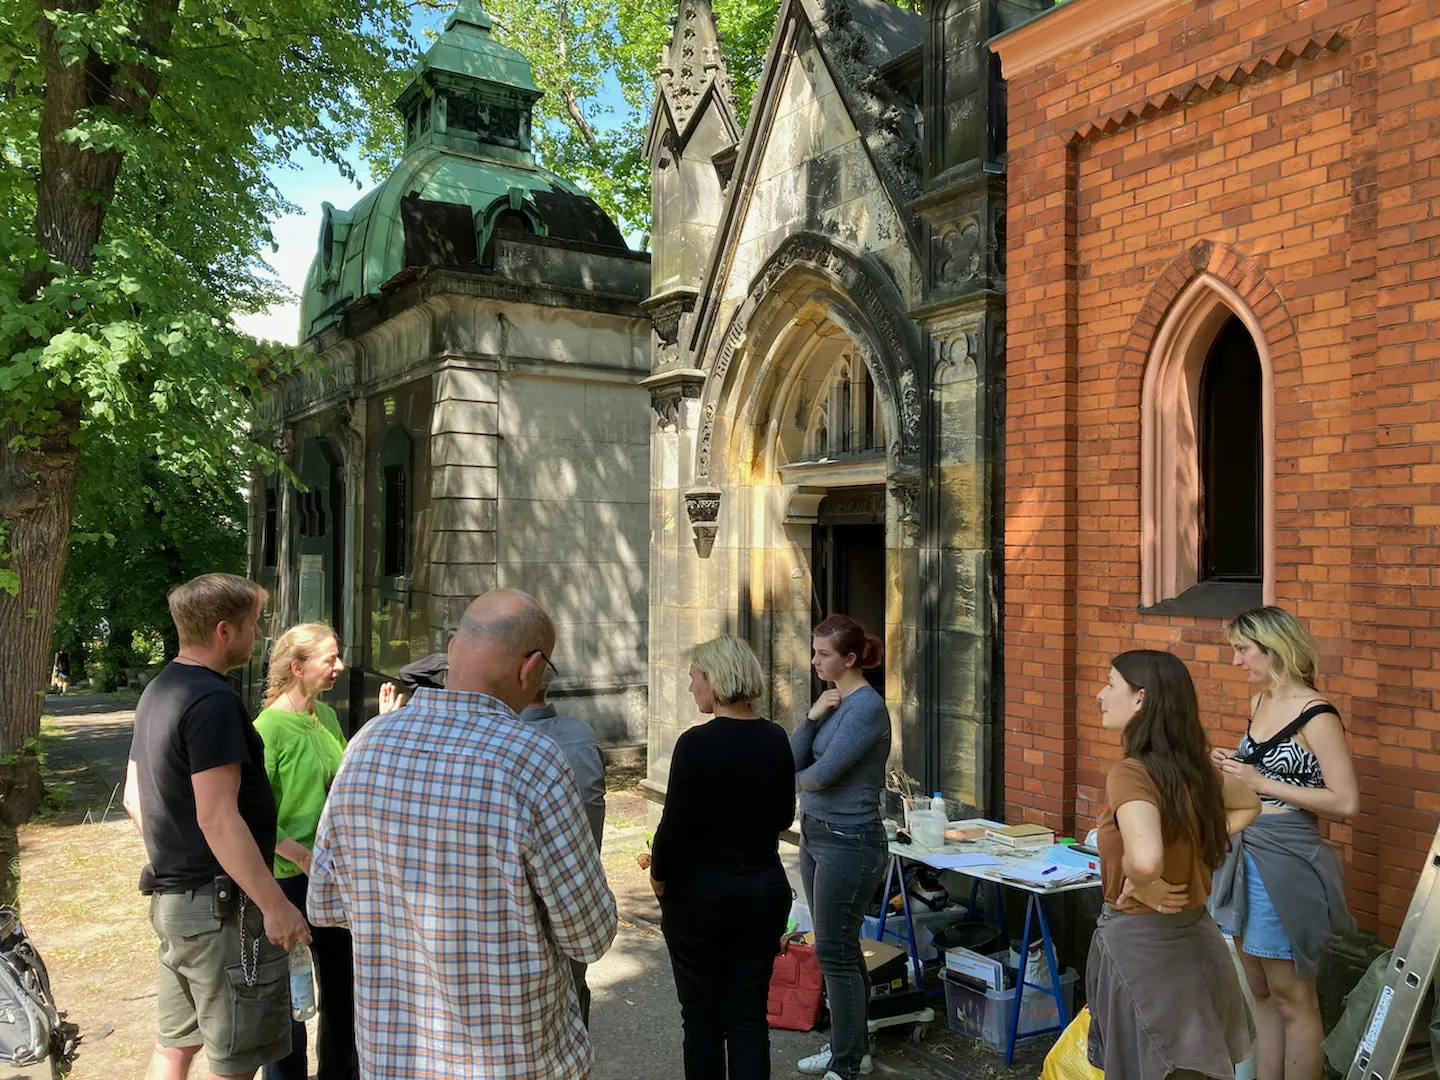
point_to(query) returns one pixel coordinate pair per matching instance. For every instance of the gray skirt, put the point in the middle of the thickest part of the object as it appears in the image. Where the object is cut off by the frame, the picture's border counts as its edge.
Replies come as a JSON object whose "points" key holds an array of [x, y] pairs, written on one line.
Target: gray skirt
{"points": [[1164, 997]]}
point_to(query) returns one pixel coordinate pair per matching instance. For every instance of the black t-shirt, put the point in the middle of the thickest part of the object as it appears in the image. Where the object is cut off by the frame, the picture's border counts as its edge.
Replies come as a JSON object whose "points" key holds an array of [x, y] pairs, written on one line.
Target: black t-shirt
{"points": [[190, 720], [731, 793]]}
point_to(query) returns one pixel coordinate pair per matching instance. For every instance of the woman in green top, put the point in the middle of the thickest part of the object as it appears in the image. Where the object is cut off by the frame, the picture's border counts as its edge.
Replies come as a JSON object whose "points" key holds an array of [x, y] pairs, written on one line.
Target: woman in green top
{"points": [[303, 748]]}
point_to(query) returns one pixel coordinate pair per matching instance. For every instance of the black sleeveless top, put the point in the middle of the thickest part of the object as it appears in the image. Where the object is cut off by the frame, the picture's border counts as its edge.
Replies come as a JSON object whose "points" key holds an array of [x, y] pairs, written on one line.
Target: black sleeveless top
{"points": [[1282, 759]]}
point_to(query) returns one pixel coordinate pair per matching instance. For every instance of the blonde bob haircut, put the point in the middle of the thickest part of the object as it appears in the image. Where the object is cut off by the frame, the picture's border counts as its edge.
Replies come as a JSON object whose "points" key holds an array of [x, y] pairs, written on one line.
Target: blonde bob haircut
{"points": [[730, 668], [1291, 649], [298, 645]]}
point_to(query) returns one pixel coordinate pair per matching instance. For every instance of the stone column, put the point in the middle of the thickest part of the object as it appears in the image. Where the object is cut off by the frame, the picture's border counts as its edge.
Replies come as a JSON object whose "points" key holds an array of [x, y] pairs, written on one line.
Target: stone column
{"points": [[464, 488], [963, 311], [351, 434], [286, 602]]}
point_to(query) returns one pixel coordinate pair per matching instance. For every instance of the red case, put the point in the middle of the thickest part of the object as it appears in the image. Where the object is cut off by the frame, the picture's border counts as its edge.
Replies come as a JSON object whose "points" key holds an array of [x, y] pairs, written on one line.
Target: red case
{"points": [[796, 988]]}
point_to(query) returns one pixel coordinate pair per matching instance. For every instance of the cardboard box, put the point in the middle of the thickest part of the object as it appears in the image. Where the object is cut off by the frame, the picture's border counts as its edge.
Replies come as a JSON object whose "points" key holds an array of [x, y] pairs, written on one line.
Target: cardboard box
{"points": [[888, 967]]}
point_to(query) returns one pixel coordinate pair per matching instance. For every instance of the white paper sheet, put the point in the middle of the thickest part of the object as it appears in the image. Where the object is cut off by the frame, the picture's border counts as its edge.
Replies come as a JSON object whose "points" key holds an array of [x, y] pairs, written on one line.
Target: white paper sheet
{"points": [[957, 862]]}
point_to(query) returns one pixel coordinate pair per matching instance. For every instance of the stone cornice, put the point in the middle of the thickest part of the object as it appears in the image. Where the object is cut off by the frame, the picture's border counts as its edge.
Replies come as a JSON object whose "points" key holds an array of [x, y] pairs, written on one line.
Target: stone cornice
{"points": [[1066, 28]]}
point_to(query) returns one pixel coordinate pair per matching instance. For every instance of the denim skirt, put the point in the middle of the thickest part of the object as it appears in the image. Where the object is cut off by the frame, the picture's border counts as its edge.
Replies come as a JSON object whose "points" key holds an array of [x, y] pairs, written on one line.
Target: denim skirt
{"points": [[1262, 935]]}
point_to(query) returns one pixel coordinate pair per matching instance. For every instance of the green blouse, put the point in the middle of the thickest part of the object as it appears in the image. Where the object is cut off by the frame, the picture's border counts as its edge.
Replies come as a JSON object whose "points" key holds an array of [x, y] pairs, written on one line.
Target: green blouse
{"points": [[302, 756]]}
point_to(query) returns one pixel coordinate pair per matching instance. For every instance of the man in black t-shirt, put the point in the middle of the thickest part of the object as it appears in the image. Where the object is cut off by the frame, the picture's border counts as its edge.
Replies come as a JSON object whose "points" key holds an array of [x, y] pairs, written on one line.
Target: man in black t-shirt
{"points": [[196, 789]]}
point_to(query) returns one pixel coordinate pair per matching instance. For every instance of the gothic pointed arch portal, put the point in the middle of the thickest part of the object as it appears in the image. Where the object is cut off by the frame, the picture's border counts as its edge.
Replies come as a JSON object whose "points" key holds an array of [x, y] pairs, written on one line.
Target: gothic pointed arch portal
{"points": [[807, 454]]}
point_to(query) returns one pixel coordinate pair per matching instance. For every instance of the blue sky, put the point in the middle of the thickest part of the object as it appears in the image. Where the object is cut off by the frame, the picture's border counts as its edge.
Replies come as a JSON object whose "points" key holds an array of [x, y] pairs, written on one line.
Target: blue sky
{"points": [[313, 182]]}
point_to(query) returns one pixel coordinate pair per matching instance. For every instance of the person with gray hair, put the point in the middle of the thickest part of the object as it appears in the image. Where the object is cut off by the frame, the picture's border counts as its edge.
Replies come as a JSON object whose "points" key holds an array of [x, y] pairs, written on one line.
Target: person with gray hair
{"points": [[454, 847], [576, 740]]}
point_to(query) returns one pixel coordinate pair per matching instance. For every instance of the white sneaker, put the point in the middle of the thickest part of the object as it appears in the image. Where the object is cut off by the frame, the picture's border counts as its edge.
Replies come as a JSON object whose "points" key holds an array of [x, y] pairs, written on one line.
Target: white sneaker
{"points": [[819, 1064]]}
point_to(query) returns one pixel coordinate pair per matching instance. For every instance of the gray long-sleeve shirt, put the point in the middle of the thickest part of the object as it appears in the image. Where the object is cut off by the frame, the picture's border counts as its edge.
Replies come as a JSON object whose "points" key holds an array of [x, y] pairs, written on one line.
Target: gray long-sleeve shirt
{"points": [[576, 739], [840, 760]]}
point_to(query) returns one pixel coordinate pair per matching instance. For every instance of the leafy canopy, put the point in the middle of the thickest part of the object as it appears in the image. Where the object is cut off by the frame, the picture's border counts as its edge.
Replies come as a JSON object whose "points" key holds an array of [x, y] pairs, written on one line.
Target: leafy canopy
{"points": [[140, 342]]}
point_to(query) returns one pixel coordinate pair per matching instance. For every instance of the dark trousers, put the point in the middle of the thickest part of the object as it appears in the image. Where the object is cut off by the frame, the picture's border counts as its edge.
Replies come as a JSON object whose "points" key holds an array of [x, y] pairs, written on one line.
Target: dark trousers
{"points": [[723, 927], [841, 867], [335, 981]]}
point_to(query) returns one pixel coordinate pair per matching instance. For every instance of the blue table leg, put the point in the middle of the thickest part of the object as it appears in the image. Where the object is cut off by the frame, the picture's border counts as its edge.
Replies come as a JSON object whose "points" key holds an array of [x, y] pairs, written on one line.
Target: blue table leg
{"points": [[1020, 984], [1032, 909], [895, 873]]}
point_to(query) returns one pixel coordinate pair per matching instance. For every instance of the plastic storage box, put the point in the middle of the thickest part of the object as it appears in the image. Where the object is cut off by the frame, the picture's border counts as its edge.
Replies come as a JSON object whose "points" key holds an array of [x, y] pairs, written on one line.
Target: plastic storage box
{"points": [[927, 925], [985, 1014]]}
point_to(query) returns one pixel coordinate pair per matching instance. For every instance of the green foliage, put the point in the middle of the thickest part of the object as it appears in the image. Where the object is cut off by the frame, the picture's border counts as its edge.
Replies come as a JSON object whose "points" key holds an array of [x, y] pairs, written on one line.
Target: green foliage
{"points": [[140, 343], [144, 522]]}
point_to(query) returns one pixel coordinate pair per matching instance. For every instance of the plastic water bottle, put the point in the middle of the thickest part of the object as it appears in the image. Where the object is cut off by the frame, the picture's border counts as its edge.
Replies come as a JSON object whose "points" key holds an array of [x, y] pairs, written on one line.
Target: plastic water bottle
{"points": [[302, 984]]}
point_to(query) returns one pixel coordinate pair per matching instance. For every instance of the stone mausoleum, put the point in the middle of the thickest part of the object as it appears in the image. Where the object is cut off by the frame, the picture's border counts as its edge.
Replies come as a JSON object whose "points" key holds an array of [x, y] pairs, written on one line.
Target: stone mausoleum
{"points": [[476, 419], [1027, 334], [828, 290]]}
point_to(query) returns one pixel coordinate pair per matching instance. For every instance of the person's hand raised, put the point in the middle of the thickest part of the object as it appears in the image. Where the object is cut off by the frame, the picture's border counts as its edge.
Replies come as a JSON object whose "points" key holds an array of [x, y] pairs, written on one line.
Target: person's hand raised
{"points": [[390, 698], [825, 704]]}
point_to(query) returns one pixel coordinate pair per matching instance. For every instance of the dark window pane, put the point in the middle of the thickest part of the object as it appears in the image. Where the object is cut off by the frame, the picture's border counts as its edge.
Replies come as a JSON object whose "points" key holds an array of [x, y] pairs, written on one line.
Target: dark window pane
{"points": [[1230, 458], [396, 513], [270, 541]]}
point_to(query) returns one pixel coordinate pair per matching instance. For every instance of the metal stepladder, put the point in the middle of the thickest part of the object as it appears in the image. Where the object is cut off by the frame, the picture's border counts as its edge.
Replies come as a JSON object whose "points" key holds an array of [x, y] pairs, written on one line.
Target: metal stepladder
{"points": [[1412, 967]]}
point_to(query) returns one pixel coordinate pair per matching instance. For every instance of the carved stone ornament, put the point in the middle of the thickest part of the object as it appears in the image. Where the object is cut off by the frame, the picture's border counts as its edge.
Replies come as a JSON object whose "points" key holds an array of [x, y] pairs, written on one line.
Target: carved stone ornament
{"points": [[906, 494], [313, 385], [669, 388], [959, 251], [702, 506], [893, 351]]}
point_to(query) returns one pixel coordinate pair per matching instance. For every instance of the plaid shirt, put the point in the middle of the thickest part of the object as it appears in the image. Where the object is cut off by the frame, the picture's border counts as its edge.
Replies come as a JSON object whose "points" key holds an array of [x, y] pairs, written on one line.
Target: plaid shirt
{"points": [[455, 848]]}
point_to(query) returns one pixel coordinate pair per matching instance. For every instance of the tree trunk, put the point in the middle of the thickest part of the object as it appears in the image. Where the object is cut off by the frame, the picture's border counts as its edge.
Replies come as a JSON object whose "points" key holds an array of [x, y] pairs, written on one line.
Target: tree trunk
{"points": [[37, 485], [37, 499]]}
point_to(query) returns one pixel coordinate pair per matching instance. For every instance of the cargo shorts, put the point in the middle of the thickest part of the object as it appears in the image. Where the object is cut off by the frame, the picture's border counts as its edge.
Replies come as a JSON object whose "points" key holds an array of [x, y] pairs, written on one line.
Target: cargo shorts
{"points": [[205, 998]]}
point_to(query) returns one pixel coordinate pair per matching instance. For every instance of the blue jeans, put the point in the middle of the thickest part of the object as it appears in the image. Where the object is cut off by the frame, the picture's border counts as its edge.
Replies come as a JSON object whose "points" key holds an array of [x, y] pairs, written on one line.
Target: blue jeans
{"points": [[841, 867]]}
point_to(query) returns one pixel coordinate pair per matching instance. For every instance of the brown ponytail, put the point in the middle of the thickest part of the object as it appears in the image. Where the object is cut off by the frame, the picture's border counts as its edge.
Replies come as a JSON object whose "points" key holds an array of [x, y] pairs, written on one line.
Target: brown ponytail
{"points": [[848, 637]]}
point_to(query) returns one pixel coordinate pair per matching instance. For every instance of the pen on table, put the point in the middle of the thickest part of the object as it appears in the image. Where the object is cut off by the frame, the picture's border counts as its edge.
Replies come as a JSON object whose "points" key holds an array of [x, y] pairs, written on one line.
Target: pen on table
{"points": [[1049, 870]]}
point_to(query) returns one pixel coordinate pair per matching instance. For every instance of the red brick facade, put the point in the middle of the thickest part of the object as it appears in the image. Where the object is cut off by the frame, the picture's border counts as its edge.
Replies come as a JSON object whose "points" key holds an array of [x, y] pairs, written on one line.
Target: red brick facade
{"points": [[1293, 151]]}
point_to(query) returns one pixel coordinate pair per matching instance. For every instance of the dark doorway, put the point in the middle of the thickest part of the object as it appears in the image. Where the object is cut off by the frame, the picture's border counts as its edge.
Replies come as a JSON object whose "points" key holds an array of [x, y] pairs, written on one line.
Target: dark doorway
{"points": [[319, 536], [1230, 458], [849, 562]]}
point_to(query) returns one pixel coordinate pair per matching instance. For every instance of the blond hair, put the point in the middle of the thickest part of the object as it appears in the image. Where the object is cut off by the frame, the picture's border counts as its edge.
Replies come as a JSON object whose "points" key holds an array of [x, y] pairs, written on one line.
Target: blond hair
{"points": [[203, 603], [299, 645], [730, 668], [1292, 651]]}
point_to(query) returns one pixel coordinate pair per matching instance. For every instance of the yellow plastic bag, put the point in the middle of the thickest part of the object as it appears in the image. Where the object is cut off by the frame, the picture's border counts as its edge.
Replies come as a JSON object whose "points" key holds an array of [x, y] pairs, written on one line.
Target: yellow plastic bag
{"points": [[1067, 1059]]}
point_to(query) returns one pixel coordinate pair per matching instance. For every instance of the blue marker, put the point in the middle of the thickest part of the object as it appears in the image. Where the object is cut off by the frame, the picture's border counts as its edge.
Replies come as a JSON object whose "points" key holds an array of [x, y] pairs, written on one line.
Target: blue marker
{"points": [[1049, 870]]}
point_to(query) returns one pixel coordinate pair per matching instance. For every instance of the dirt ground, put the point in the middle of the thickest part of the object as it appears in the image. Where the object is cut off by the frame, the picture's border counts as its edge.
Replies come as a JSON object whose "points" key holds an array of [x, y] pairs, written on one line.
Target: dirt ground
{"points": [[80, 902]]}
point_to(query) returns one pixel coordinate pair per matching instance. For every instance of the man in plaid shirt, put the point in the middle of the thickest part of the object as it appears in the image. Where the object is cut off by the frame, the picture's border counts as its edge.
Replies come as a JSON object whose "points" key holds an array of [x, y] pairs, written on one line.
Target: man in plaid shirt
{"points": [[454, 847]]}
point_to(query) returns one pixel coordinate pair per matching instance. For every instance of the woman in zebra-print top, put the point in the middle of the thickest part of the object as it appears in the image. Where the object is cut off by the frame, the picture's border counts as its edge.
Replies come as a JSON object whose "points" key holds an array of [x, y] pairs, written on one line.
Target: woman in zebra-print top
{"points": [[1281, 894]]}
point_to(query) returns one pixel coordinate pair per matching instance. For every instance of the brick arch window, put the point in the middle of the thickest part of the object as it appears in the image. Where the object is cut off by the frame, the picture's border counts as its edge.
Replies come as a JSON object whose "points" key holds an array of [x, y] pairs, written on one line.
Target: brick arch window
{"points": [[1207, 456], [395, 481]]}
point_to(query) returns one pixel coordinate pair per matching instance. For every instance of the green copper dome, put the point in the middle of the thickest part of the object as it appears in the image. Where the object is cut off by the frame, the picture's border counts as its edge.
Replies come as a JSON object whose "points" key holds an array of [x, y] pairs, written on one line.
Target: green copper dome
{"points": [[467, 171]]}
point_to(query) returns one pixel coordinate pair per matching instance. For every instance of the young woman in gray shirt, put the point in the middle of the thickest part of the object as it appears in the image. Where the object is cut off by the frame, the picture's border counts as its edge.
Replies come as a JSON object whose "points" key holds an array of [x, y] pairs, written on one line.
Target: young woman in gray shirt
{"points": [[840, 752]]}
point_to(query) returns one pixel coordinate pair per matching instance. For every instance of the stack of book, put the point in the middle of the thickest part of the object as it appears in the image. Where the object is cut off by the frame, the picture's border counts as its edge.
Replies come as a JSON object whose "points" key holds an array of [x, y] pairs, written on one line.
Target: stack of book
{"points": [[1022, 838]]}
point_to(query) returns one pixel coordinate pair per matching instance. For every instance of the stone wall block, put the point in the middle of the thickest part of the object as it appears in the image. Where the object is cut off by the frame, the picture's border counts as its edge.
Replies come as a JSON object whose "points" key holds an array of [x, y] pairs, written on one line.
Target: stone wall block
{"points": [[466, 418], [467, 384], [458, 449], [465, 482]]}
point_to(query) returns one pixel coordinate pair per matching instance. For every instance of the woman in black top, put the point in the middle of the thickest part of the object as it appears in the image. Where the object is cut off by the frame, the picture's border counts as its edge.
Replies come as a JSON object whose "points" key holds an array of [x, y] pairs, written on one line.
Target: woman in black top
{"points": [[715, 864]]}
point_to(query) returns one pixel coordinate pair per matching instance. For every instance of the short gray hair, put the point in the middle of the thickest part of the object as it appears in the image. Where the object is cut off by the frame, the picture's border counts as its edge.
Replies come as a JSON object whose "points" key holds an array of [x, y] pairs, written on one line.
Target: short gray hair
{"points": [[525, 631]]}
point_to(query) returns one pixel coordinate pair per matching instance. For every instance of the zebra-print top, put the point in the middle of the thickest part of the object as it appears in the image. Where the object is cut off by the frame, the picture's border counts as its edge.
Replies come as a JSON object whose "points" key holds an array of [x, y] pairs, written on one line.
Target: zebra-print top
{"points": [[1282, 759]]}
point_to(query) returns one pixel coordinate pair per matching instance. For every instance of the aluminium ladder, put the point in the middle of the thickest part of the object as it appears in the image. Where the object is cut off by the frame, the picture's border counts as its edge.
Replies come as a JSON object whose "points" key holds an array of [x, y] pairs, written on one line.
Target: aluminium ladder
{"points": [[1409, 974]]}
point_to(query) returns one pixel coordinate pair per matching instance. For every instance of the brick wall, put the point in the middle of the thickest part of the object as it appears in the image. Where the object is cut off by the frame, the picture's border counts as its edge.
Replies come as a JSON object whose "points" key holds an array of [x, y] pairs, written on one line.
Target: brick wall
{"points": [[1291, 151]]}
